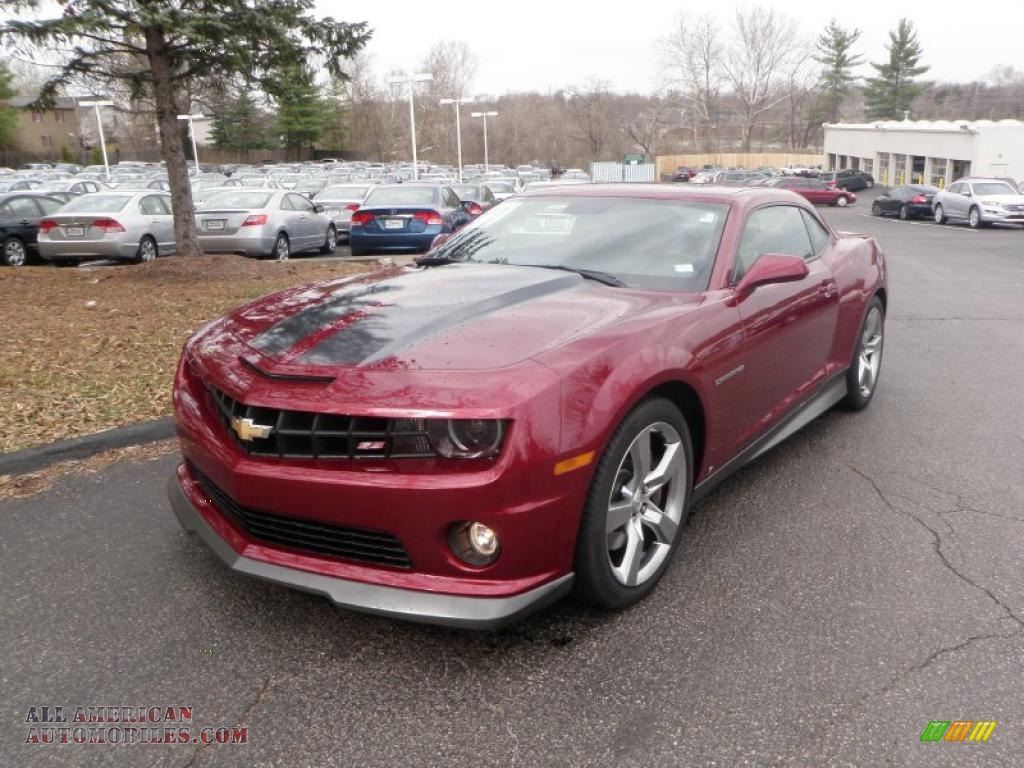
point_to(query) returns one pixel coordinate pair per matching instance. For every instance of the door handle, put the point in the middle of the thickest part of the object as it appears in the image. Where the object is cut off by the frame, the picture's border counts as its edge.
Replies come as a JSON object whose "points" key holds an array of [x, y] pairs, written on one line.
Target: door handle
{"points": [[828, 290], [154, 221]]}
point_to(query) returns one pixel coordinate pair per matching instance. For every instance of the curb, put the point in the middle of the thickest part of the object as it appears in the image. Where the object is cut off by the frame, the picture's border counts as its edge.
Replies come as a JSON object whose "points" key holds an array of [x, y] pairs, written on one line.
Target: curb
{"points": [[34, 459]]}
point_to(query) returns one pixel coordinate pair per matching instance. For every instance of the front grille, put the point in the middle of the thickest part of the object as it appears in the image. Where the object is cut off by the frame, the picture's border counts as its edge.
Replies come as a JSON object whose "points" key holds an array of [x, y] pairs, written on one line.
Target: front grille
{"points": [[308, 435], [308, 536]]}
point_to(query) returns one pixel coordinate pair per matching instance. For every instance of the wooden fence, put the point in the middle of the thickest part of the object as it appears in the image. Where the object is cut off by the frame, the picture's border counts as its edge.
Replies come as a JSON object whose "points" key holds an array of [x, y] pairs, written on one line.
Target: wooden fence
{"points": [[751, 160]]}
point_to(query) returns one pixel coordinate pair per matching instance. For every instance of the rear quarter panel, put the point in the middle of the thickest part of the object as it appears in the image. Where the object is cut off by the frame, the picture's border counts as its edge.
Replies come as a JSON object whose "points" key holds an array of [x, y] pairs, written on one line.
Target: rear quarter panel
{"points": [[858, 267]]}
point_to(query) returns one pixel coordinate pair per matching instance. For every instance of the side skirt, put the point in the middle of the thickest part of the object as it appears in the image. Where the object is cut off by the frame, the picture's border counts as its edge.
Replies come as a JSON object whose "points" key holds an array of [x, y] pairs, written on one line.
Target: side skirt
{"points": [[831, 393]]}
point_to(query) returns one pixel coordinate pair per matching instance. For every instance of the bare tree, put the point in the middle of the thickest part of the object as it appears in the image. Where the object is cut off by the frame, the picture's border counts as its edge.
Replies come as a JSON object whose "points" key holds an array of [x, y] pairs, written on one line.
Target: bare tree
{"points": [[757, 63], [652, 121], [591, 111], [691, 61]]}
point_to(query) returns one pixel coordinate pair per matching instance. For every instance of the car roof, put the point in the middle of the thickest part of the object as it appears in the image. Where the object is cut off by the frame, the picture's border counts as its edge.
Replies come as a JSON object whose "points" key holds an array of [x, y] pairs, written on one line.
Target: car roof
{"points": [[705, 194]]}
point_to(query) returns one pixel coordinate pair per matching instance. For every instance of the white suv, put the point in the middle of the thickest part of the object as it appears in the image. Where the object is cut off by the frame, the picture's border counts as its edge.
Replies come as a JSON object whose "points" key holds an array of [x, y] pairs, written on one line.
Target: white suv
{"points": [[980, 202]]}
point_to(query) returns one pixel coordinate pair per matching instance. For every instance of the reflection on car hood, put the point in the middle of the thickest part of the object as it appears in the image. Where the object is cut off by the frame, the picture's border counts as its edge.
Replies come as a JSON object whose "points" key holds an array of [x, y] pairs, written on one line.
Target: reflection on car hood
{"points": [[457, 317]]}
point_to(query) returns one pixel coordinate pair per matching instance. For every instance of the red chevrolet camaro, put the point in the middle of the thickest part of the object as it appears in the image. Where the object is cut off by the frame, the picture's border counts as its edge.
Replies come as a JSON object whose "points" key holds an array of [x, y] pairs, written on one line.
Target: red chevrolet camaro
{"points": [[530, 410]]}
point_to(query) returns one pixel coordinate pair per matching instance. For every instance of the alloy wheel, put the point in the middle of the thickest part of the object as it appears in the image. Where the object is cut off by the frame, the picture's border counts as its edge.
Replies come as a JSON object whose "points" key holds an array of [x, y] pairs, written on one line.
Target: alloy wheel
{"points": [[14, 253], [147, 250], [870, 358], [842, 202], [646, 503], [332, 239], [281, 250], [974, 218]]}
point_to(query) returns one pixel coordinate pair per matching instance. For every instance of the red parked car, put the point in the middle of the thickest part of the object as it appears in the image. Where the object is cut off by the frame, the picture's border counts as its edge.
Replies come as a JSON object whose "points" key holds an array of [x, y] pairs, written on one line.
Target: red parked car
{"points": [[817, 191], [531, 410]]}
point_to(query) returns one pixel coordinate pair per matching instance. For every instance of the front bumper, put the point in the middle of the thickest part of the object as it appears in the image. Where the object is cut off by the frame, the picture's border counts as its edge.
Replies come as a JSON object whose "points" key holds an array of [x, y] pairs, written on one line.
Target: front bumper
{"points": [[411, 605], [1009, 217]]}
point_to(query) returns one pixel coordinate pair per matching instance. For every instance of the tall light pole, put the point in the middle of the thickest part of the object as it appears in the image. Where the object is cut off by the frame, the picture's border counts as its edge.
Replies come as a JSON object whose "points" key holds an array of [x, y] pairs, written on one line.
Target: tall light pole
{"points": [[458, 126], [410, 80], [192, 133], [99, 121], [485, 115]]}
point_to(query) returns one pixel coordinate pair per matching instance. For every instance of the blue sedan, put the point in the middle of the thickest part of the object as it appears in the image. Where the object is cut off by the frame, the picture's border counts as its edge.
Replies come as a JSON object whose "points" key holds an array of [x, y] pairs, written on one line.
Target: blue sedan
{"points": [[405, 217]]}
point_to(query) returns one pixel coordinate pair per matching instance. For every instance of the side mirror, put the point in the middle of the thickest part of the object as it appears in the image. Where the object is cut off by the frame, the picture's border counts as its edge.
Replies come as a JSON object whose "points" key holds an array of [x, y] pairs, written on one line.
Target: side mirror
{"points": [[317, 208], [771, 268]]}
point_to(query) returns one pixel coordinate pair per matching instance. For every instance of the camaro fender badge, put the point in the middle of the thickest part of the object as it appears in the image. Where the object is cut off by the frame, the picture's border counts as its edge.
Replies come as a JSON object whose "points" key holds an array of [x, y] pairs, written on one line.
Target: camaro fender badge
{"points": [[734, 372], [247, 429]]}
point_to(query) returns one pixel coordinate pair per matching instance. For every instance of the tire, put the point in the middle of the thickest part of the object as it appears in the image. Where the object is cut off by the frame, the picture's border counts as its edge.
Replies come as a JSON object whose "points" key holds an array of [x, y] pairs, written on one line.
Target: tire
{"points": [[876, 209], [866, 363], [147, 251], [282, 249], [868, 184], [904, 213], [604, 578], [842, 201], [974, 218], [13, 252], [939, 215], [331, 243]]}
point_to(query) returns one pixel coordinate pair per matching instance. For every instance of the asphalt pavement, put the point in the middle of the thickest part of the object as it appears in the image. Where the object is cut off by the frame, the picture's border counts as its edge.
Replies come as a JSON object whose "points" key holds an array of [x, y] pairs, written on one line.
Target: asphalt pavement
{"points": [[829, 601]]}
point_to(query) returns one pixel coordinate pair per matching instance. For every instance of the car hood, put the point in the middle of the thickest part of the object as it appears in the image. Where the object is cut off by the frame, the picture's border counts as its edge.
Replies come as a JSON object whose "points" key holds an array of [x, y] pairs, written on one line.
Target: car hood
{"points": [[1003, 199], [453, 317]]}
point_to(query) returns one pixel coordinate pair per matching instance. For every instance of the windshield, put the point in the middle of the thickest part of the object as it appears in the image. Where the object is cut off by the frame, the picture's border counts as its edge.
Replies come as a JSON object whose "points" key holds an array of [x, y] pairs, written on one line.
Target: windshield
{"points": [[653, 244], [242, 200], [500, 187], [993, 188], [345, 193], [400, 195], [96, 204]]}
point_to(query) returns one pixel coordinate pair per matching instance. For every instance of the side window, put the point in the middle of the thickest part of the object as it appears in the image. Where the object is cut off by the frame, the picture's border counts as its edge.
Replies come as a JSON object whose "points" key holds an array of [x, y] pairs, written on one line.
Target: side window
{"points": [[488, 196], [150, 206], [300, 203], [451, 200], [286, 203], [49, 204], [819, 235], [956, 189], [23, 208], [165, 203], [776, 229]]}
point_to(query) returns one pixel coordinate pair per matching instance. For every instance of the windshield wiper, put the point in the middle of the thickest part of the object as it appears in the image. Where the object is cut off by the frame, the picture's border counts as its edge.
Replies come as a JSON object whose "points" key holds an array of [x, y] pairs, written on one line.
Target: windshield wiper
{"points": [[589, 274], [434, 261]]}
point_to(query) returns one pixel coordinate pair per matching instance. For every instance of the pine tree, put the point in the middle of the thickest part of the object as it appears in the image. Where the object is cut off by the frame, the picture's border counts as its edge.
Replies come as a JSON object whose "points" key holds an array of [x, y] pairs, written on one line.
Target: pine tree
{"points": [[8, 116], [834, 53], [301, 115], [892, 92], [238, 125]]}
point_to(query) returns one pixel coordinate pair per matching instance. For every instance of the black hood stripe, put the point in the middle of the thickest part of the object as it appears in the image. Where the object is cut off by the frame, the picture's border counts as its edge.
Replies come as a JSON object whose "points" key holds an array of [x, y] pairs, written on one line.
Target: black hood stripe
{"points": [[386, 332]]}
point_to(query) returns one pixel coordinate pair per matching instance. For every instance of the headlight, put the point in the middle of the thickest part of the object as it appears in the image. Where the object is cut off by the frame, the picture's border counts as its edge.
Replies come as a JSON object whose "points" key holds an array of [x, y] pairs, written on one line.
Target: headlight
{"points": [[466, 438]]}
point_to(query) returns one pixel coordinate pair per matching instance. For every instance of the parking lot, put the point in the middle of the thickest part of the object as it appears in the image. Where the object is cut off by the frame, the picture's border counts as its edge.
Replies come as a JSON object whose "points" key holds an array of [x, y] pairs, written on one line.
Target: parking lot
{"points": [[827, 602]]}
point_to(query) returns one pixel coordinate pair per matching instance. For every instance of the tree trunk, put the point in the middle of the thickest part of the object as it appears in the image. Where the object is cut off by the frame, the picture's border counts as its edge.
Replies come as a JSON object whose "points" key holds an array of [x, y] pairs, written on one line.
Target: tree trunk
{"points": [[187, 243]]}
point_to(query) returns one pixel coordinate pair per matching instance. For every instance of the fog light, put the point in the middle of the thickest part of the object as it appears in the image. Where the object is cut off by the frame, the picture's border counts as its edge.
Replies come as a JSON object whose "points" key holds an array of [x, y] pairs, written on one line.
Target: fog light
{"points": [[474, 543]]}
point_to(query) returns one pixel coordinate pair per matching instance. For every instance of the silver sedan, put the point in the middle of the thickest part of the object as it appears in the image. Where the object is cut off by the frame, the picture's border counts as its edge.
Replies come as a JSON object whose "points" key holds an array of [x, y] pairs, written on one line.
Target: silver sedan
{"points": [[342, 200], [266, 223], [131, 225]]}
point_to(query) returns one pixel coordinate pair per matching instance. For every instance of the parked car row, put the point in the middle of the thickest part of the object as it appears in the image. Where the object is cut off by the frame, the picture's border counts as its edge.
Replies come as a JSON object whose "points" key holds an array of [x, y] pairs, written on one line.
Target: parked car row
{"points": [[977, 201]]}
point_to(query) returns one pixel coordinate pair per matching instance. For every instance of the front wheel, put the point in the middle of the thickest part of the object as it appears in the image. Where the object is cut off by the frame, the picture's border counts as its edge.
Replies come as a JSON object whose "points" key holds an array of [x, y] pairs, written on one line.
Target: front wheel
{"points": [[862, 376], [638, 501], [939, 215], [331, 243], [974, 218], [13, 253], [843, 201]]}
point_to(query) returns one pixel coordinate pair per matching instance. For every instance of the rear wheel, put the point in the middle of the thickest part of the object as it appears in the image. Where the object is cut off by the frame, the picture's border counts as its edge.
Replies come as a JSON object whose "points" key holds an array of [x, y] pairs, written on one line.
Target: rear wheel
{"points": [[862, 376], [13, 252], [282, 250], [939, 215], [147, 250], [869, 184], [904, 212], [331, 243], [638, 501]]}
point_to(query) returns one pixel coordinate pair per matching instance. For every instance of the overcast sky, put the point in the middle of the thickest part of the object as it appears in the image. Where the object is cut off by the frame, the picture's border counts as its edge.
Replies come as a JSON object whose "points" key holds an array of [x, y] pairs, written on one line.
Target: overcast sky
{"points": [[545, 45]]}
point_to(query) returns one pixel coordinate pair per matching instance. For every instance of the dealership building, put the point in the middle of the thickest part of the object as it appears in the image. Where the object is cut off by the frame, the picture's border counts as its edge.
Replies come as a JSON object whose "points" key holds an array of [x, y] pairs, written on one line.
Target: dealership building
{"points": [[927, 151]]}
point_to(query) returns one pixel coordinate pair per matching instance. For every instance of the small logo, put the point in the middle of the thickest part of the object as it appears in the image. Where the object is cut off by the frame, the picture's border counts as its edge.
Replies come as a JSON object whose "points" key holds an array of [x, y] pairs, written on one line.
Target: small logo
{"points": [[247, 429], [958, 730]]}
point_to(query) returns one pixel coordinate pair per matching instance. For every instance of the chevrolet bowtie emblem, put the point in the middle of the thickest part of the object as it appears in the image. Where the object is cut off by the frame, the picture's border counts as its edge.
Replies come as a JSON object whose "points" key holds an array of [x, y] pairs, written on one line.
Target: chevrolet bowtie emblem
{"points": [[247, 429]]}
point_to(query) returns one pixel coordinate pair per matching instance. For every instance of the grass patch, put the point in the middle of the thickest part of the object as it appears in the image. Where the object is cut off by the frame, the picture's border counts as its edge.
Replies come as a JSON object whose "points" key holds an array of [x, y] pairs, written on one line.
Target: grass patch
{"points": [[92, 348]]}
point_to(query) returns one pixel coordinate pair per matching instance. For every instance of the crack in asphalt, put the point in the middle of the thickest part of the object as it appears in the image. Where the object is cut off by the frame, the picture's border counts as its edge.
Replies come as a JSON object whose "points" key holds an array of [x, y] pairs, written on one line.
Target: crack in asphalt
{"points": [[937, 543], [243, 721]]}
